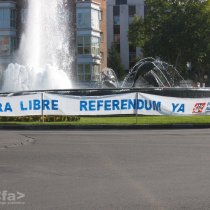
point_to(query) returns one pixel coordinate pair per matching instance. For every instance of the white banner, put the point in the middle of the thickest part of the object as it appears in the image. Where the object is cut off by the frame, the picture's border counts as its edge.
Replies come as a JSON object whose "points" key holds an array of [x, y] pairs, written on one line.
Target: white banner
{"points": [[161, 105], [118, 104], [92, 105], [127, 104], [21, 105]]}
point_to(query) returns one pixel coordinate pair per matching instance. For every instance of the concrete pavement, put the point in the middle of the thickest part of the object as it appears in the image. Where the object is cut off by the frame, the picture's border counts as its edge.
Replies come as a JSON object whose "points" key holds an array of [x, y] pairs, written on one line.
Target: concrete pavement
{"points": [[109, 170], [11, 139]]}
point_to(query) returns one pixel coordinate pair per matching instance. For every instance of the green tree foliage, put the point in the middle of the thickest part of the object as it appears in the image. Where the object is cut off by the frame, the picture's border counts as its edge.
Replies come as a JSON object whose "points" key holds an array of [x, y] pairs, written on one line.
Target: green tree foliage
{"points": [[114, 62], [136, 34], [177, 31]]}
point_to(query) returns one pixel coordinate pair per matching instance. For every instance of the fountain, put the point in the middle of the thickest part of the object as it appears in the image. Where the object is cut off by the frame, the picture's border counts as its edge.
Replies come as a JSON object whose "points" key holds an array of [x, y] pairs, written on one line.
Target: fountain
{"points": [[148, 72], [152, 76], [109, 78], [43, 58]]}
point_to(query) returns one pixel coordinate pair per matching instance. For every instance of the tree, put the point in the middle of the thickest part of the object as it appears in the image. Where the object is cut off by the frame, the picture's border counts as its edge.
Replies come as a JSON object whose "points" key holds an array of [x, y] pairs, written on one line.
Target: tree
{"points": [[136, 34], [114, 62], [177, 31]]}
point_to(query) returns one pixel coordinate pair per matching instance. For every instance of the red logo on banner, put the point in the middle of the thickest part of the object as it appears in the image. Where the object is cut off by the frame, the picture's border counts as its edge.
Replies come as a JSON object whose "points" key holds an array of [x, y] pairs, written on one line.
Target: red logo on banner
{"points": [[198, 108]]}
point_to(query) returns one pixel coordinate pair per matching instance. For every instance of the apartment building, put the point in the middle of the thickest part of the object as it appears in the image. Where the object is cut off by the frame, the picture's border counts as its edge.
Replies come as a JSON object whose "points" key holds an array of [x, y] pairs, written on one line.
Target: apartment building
{"points": [[91, 40], [8, 32], [120, 14]]}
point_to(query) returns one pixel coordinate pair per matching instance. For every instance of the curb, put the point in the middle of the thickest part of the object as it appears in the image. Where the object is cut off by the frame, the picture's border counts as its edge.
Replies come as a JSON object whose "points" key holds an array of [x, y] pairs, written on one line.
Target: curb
{"points": [[96, 127]]}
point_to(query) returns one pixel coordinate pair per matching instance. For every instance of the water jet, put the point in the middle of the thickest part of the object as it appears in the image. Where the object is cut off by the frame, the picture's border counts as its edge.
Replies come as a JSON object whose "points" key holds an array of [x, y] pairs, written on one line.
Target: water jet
{"points": [[43, 59]]}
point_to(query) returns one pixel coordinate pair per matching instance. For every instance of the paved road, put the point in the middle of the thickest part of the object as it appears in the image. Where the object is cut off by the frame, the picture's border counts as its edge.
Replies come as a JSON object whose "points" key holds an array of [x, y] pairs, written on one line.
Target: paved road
{"points": [[94, 170]]}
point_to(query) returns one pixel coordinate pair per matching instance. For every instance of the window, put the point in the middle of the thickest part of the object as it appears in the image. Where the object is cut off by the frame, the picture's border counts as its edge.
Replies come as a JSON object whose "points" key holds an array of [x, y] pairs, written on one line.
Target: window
{"points": [[7, 45], [95, 46], [116, 15], [88, 18], [83, 45], [88, 45], [7, 18], [116, 11], [118, 2], [13, 44], [116, 20], [132, 10], [24, 15], [117, 38], [84, 72], [95, 19], [87, 72], [116, 29], [96, 73], [4, 18], [80, 45], [83, 18], [12, 18]]}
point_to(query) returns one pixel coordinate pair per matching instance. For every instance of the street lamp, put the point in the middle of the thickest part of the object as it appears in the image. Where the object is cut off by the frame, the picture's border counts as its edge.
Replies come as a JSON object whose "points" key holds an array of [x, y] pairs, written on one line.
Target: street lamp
{"points": [[205, 79], [189, 67]]}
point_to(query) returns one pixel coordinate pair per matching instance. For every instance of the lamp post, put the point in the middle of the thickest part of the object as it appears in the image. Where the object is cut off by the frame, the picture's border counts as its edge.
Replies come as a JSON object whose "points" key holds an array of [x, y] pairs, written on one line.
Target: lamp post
{"points": [[205, 79], [189, 67]]}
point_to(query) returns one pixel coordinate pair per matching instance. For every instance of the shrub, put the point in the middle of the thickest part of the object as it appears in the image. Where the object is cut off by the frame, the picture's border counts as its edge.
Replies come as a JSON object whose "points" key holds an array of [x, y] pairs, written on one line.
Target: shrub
{"points": [[47, 118]]}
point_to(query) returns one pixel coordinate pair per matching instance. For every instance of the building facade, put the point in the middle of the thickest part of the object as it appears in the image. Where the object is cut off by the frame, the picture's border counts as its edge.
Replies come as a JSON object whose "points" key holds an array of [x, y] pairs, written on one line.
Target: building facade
{"points": [[120, 14], [91, 40], [8, 31]]}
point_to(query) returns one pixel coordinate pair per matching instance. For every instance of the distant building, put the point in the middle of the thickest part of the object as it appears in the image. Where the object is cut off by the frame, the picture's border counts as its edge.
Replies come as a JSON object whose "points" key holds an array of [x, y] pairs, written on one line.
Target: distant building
{"points": [[90, 40], [120, 14]]}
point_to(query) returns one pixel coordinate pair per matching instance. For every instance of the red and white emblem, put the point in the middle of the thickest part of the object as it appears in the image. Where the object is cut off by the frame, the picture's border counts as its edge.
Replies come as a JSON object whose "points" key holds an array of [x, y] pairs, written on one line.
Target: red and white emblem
{"points": [[198, 108]]}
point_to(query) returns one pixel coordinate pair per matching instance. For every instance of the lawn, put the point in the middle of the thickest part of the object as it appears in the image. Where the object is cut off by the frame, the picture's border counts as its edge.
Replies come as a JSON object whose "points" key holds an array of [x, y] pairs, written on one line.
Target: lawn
{"points": [[121, 120], [145, 120]]}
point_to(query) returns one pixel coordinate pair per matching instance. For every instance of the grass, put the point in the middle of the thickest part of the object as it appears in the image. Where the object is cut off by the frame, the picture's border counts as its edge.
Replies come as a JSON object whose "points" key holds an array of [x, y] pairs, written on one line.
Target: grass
{"points": [[129, 120], [146, 120]]}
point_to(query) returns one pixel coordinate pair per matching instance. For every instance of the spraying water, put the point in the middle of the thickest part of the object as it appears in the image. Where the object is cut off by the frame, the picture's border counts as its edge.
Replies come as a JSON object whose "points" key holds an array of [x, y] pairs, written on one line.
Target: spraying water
{"points": [[147, 72], [43, 57]]}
